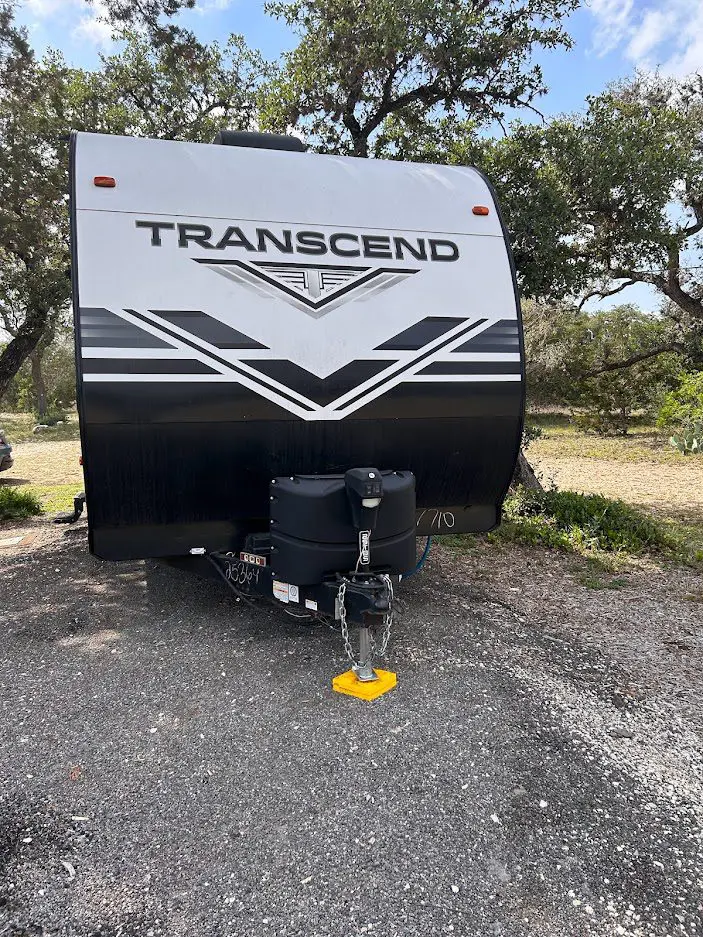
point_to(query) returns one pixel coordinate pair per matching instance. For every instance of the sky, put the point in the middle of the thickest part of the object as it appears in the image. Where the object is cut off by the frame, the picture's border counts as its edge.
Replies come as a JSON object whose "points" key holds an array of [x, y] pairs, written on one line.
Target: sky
{"points": [[612, 38]]}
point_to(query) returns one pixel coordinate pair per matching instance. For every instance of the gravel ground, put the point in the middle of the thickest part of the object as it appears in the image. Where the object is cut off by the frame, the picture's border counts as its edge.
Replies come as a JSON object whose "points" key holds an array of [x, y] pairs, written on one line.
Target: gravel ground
{"points": [[175, 763]]}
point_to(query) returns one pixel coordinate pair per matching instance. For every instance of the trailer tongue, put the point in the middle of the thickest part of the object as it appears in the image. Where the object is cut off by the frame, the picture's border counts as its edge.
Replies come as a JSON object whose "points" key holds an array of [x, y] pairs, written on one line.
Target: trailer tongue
{"points": [[291, 365]]}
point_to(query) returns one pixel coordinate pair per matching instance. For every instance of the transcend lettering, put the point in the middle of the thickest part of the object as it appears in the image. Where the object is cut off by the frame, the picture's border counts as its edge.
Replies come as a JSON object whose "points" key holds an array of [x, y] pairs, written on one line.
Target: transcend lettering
{"points": [[309, 243]]}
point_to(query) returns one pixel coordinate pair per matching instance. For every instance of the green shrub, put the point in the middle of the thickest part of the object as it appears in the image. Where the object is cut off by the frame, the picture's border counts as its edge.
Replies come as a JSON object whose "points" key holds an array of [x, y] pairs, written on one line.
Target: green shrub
{"points": [[52, 417], [584, 523], [530, 432], [15, 503], [684, 405]]}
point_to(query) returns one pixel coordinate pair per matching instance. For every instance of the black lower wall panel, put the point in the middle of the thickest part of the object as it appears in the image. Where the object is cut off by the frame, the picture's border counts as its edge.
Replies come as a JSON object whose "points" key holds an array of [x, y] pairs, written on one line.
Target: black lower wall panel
{"points": [[185, 470]]}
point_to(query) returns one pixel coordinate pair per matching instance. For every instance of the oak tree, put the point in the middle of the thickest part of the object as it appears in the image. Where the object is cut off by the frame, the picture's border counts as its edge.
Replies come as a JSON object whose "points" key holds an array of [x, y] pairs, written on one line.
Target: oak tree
{"points": [[359, 62], [600, 201]]}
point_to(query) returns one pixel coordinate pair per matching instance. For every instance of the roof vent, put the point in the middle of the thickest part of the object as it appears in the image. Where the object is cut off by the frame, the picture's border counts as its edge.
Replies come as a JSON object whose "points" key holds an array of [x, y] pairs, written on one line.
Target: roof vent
{"points": [[263, 141]]}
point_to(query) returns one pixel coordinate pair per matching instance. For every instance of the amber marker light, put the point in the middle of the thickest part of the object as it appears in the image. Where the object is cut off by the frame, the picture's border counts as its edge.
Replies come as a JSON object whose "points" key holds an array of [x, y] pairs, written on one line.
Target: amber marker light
{"points": [[104, 182], [480, 210]]}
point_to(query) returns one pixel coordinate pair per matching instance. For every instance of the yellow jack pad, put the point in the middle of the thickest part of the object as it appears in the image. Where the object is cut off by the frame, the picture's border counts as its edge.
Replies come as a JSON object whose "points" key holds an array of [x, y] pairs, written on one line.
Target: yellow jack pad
{"points": [[349, 683]]}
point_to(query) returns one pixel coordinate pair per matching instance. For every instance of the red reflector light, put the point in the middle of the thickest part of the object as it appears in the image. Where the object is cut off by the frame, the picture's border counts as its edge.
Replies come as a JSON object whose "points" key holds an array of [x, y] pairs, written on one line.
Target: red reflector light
{"points": [[480, 210], [80, 460], [104, 182]]}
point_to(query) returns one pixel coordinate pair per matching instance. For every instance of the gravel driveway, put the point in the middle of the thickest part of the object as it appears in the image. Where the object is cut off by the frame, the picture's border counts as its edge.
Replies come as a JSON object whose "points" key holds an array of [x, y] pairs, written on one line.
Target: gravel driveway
{"points": [[175, 763]]}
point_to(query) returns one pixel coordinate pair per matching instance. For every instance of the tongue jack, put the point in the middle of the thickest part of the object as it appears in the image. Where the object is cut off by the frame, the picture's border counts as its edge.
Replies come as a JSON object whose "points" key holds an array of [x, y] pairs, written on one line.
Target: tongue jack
{"points": [[365, 493]]}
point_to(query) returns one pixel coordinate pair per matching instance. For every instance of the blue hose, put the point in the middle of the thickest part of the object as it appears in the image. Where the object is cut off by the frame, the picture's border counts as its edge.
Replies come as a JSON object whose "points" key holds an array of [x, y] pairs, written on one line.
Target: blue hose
{"points": [[421, 561]]}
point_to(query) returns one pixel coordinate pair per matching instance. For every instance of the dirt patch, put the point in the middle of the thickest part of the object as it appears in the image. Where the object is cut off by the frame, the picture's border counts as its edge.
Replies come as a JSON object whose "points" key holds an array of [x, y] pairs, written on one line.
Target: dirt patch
{"points": [[45, 463], [665, 489], [31, 536]]}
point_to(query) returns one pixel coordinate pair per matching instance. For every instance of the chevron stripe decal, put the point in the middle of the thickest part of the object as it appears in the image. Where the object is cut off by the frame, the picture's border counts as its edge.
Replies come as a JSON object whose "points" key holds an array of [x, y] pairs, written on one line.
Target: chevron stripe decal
{"points": [[444, 357]]}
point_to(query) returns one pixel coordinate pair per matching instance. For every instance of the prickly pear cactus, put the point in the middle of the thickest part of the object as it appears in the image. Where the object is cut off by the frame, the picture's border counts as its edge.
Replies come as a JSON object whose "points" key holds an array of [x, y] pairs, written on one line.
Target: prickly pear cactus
{"points": [[690, 440]]}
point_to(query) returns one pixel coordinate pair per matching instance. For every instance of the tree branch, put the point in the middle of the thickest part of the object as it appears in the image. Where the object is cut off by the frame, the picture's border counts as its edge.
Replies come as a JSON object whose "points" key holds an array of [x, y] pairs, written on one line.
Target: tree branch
{"points": [[602, 294], [670, 285], [633, 359]]}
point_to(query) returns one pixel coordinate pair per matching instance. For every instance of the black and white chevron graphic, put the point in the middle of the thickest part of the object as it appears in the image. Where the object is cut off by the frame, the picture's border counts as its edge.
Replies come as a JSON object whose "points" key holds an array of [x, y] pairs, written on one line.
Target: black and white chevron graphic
{"points": [[316, 289], [129, 345]]}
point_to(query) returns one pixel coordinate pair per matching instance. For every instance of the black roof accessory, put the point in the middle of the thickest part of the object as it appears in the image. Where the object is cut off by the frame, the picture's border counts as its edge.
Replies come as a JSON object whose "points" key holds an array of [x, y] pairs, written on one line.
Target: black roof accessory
{"points": [[263, 141]]}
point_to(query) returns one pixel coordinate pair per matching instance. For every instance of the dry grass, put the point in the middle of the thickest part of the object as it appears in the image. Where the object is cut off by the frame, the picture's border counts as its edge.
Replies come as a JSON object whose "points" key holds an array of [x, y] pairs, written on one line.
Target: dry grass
{"points": [[19, 428], [45, 463], [642, 469], [643, 443], [669, 491], [640, 446], [48, 469]]}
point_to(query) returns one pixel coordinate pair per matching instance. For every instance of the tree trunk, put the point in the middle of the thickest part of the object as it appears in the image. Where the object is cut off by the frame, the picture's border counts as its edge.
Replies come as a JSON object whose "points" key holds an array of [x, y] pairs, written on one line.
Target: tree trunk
{"points": [[21, 346], [524, 474], [360, 142], [38, 385]]}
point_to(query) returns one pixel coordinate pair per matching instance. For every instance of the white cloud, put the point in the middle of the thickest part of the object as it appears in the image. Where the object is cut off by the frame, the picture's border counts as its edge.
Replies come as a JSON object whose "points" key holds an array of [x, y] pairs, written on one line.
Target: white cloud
{"points": [[212, 6], [656, 27], [94, 25], [612, 23], [84, 21], [663, 34], [88, 22], [44, 9]]}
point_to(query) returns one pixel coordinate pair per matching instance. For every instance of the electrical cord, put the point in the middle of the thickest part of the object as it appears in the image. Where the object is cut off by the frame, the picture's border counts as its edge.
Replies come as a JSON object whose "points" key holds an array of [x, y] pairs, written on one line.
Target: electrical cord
{"points": [[307, 620], [221, 573], [421, 561]]}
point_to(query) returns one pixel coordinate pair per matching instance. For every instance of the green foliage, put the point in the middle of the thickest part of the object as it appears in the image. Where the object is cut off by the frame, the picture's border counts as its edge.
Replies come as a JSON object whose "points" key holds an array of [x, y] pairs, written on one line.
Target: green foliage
{"points": [[584, 523], [536, 200], [574, 358], [178, 92], [357, 65], [611, 196], [554, 334], [16, 503], [684, 404], [58, 370]]}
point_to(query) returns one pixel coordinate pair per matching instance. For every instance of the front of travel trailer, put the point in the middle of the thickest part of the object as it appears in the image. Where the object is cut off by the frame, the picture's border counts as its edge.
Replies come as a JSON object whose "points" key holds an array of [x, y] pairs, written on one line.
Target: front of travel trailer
{"points": [[299, 361]]}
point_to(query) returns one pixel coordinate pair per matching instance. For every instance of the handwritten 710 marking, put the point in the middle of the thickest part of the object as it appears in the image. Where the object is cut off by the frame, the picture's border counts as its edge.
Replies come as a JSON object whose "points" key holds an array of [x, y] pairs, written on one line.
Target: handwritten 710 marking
{"points": [[441, 520]]}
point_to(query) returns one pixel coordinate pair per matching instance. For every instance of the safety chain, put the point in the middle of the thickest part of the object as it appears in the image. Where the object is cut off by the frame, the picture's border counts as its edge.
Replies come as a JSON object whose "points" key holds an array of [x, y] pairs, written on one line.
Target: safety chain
{"points": [[387, 624], [388, 617], [343, 622]]}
